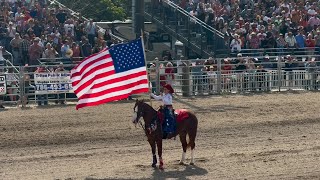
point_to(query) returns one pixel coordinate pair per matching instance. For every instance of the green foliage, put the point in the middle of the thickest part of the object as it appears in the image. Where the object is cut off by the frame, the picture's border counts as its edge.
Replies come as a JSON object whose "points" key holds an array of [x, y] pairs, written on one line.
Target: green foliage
{"points": [[106, 10]]}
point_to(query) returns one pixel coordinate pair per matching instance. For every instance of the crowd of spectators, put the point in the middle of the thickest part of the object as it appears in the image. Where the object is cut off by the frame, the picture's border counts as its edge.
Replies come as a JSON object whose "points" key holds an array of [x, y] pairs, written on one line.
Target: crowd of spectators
{"points": [[34, 29], [36, 32], [254, 24]]}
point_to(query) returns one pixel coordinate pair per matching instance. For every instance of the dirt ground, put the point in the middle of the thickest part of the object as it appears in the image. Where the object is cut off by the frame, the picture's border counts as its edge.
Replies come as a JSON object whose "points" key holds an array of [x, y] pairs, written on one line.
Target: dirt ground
{"points": [[261, 136]]}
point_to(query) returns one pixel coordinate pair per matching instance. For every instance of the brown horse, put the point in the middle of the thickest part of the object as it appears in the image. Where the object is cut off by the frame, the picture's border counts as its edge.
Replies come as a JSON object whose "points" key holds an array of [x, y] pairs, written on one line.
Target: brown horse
{"points": [[187, 125]]}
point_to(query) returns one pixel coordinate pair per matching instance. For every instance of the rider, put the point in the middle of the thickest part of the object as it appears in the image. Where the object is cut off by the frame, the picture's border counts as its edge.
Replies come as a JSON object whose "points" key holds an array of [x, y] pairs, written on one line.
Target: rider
{"points": [[169, 124]]}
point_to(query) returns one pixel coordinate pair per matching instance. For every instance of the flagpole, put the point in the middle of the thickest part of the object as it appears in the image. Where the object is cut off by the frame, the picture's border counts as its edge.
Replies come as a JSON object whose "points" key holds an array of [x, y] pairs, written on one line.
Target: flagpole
{"points": [[145, 61]]}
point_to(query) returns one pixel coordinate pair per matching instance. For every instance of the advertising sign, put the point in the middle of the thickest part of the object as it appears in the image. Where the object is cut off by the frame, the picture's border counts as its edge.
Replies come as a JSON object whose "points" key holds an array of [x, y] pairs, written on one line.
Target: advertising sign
{"points": [[50, 83]]}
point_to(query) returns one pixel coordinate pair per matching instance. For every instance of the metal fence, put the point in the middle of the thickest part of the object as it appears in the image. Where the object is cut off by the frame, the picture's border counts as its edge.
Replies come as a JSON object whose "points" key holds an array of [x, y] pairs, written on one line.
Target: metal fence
{"points": [[188, 77], [237, 75]]}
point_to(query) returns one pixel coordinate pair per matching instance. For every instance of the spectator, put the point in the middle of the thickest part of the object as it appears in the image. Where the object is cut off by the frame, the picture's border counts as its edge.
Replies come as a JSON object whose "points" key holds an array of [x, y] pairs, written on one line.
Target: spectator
{"points": [[60, 98], [212, 75], [61, 16], [197, 77], [290, 65], [35, 52], [107, 36], [91, 30], [64, 48], [76, 52], [261, 77], [291, 40], [301, 38], [11, 32], [69, 27], [235, 44], [311, 67], [15, 46], [50, 53], [169, 71], [86, 48], [241, 67], [310, 44], [153, 77], [24, 50], [281, 42]]}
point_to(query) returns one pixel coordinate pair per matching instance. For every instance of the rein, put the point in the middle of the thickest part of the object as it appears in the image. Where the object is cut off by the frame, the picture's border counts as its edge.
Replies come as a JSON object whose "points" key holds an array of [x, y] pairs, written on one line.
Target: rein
{"points": [[142, 126]]}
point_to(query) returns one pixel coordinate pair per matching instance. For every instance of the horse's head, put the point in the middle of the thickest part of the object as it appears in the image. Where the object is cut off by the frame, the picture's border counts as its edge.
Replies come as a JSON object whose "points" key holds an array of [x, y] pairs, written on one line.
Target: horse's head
{"points": [[138, 111]]}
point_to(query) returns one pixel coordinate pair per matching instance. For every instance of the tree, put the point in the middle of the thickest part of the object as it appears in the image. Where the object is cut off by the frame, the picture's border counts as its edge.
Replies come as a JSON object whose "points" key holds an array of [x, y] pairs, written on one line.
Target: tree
{"points": [[106, 10]]}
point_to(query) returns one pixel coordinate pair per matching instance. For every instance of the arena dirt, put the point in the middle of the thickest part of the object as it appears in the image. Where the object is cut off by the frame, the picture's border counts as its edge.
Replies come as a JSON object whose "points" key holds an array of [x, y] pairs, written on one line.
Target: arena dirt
{"points": [[261, 136]]}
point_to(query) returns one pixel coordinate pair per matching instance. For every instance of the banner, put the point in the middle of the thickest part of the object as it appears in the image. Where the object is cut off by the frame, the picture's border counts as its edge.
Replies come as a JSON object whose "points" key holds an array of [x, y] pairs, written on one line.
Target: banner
{"points": [[52, 83], [3, 85]]}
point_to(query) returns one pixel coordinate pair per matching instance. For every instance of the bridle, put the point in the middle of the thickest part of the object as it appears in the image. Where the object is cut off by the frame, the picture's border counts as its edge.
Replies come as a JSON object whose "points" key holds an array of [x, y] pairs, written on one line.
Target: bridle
{"points": [[140, 113]]}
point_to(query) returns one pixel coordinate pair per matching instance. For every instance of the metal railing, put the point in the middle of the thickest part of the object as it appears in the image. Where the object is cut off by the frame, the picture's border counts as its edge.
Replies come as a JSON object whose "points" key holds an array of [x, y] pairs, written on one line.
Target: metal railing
{"points": [[188, 77], [277, 51], [254, 74]]}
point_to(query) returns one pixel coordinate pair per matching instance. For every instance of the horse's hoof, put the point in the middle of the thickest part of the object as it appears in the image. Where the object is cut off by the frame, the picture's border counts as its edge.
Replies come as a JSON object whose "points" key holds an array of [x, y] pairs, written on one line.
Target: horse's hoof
{"points": [[191, 163], [181, 163], [161, 165]]}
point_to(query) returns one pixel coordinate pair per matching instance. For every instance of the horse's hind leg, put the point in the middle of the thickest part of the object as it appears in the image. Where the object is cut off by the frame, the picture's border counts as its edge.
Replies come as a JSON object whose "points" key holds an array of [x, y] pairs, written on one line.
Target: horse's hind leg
{"points": [[183, 140]]}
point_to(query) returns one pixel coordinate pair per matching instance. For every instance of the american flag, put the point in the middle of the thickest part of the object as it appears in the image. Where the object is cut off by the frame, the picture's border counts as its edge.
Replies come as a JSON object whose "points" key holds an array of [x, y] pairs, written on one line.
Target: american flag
{"points": [[110, 75]]}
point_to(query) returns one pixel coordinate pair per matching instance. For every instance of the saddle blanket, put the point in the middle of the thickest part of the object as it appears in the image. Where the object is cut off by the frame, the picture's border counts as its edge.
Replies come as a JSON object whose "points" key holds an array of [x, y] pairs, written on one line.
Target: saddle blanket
{"points": [[181, 114]]}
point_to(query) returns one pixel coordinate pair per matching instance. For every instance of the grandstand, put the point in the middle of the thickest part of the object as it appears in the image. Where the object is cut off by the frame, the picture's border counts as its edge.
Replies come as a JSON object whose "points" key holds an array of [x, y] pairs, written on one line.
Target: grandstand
{"points": [[233, 38]]}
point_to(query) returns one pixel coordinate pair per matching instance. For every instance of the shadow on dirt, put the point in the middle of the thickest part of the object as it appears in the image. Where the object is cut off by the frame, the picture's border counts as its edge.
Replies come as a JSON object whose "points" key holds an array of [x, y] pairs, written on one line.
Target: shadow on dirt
{"points": [[190, 170]]}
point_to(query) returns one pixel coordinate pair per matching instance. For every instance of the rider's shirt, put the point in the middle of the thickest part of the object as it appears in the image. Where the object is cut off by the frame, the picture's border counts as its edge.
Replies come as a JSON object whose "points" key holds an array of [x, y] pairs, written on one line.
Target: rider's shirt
{"points": [[166, 98]]}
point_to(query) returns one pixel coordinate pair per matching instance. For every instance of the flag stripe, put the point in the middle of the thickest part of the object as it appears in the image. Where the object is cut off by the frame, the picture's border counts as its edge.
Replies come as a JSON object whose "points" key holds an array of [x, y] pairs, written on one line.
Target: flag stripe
{"points": [[114, 98], [110, 90], [92, 64], [84, 87], [111, 94], [131, 77], [88, 59], [101, 68], [107, 76]]}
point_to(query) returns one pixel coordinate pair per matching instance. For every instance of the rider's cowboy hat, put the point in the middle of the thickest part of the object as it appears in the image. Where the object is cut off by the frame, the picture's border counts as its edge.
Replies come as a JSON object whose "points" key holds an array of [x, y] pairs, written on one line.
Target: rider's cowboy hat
{"points": [[169, 87]]}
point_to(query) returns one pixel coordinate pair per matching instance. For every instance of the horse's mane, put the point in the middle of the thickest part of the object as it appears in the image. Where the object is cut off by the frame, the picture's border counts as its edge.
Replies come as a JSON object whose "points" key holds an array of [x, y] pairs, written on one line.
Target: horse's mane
{"points": [[148, 106]]}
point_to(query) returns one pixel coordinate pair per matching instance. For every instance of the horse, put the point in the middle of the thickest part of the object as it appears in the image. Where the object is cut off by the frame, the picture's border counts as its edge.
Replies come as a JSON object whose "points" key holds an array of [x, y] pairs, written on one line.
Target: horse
{"points": [[187, 124]]}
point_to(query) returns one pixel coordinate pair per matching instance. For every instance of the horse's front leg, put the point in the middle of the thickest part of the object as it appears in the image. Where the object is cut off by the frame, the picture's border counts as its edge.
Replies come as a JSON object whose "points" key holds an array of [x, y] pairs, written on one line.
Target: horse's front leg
{"points": [[159, 146], [153, 148]]}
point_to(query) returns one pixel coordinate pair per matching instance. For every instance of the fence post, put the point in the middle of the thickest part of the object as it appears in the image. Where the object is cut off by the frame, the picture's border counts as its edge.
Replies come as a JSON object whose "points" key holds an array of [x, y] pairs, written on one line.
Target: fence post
{"points": [[219, 75], [21, 86], [279, 73], [157, 76], [186, 79]]}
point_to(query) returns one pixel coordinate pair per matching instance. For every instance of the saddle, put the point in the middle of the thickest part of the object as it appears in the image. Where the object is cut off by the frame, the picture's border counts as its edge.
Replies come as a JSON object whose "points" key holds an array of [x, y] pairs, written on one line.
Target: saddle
{"points": [[180, 114]]}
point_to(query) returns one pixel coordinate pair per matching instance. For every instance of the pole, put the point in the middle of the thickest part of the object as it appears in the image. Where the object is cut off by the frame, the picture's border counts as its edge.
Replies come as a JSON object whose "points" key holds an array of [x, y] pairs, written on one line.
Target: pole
{"points": [[145, 61]]}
